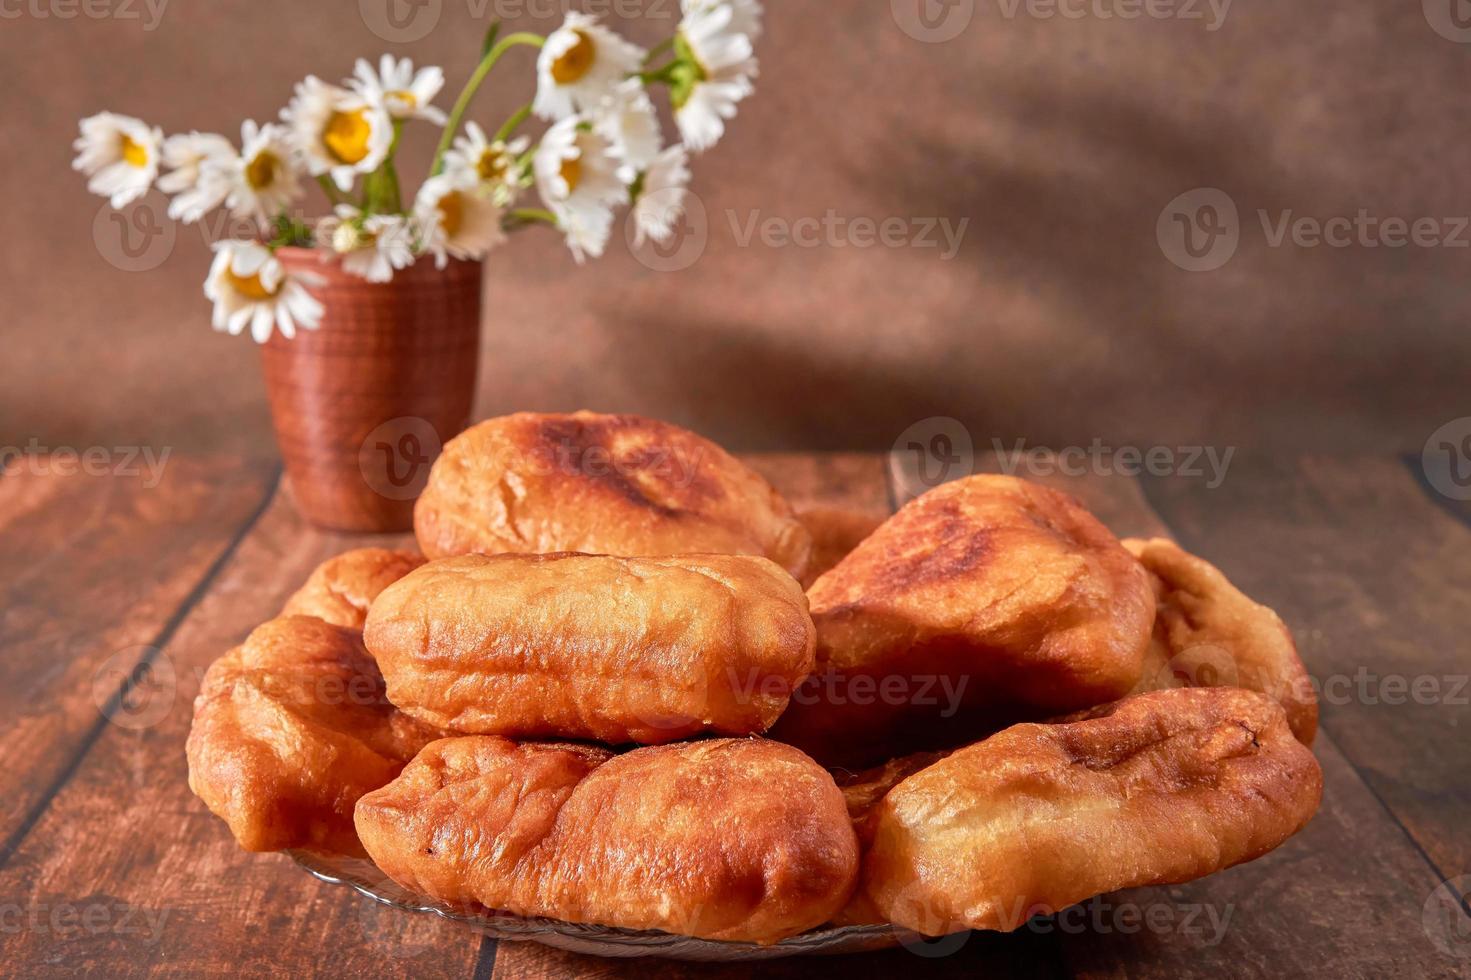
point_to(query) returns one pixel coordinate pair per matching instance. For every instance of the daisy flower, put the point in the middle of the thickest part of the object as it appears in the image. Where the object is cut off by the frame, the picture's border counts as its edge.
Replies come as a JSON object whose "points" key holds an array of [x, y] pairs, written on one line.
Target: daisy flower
{"points": [[372, 247], [487, 162], [627, 121], [714, 74], [338, 132], [577, 178], [248, 286], [745, 15], [579, 65], [661, 195], [261, 182], [120, 154], [457, 216], [196, 189], [396, 85]]}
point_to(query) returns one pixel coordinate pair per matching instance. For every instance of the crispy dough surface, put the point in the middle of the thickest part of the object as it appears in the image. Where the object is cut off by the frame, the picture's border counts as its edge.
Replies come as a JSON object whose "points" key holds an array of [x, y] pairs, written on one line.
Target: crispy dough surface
{"points": [[620, 650], [862, 793], [290, 728], [736, 839], [341, 589], [600, 484], [990, 598], [1207, 633], [1159, 788]]}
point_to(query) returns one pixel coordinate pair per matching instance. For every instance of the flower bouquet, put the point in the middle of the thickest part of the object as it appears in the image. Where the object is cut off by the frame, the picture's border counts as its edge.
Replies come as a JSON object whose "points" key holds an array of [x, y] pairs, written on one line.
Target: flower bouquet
{"points": [[347, 314]]}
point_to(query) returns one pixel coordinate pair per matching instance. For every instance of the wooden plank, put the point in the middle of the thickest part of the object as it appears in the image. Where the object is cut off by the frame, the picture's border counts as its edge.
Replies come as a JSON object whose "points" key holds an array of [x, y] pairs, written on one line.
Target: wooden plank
{"points": [[97, 567], [1350, 889], [1371, 570], [165, 886]]}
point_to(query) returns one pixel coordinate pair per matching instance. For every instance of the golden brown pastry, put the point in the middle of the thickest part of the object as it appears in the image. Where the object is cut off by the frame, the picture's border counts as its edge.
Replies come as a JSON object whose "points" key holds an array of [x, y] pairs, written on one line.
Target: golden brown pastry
{"points": [[985, 601], [1160, 788], [1208, 634], [289, 730], [600, 484], [619, 650], [342, 588], [862, 793], [835, 532], [732, 839]]}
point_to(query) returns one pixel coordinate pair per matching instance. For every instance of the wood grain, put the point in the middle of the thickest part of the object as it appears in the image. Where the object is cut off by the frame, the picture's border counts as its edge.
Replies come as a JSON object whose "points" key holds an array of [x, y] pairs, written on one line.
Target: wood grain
{"points": [[126, 839], [95, 570], [1371, 570]]}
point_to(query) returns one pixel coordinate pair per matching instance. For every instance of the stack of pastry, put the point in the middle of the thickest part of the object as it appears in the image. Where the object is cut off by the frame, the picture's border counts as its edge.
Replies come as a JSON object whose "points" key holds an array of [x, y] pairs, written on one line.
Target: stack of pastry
{"points": [[602, 696]]}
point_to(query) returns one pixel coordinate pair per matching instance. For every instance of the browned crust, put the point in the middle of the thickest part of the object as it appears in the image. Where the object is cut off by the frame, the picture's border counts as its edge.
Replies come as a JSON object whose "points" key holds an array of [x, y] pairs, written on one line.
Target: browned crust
{"points": [[731, 839], [1009, 594], [341, 589], [1159, 788], [290, 728], [600, 484], [645, 650], [1207, 633], [862, 793]]}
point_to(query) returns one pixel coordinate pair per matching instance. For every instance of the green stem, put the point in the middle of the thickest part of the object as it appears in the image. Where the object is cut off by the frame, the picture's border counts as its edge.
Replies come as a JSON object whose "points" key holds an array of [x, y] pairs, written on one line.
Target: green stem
{"points": [[330, 189], [663, 74], [531, 215], [517, 118], [659, 49], [380, 188], [473, 85]]}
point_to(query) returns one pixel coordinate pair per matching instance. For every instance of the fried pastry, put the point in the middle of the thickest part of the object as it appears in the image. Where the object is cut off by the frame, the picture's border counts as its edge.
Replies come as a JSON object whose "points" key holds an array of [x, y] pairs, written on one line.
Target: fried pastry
{"points": [[729, 839], [619, 650], [341, 589], [1208, 634], [835, 532], [1159, 788], [986, 601], [290, 728], [600, 484], [862, 793]]}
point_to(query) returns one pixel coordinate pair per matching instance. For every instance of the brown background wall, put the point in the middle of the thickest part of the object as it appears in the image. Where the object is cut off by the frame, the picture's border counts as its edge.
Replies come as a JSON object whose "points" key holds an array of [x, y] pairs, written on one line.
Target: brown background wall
{"points": [[1059, 319]]}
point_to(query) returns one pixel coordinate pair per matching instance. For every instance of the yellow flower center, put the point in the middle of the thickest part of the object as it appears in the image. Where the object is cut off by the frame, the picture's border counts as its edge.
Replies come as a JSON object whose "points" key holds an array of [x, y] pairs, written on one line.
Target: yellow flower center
{"points": [[492, 165], [260, 172], [576, 61], [135, 154], [572, 173], [451, 213], [347, 135], [406, 97], [250, 286]]}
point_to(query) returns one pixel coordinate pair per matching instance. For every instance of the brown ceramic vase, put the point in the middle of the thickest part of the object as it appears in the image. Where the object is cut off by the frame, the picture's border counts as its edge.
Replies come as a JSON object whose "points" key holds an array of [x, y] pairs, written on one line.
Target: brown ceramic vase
{"points": [[362, 405]]}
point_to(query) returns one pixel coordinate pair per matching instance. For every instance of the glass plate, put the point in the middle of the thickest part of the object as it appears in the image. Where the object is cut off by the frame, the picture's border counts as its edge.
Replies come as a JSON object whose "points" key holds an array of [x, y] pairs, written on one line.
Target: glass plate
{"points": [[364, 876]]}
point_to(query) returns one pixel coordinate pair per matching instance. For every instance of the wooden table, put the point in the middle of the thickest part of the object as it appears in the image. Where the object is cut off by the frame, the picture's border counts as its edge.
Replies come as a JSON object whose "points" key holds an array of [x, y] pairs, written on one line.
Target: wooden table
{"points": [[117, 594]]}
